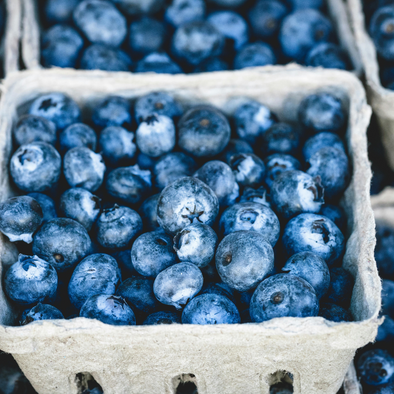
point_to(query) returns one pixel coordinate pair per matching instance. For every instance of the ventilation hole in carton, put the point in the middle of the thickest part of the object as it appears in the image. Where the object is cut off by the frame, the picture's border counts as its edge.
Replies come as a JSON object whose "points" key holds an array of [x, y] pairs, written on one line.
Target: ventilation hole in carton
{"points": [[185, 384], [86, 384], [281, 382]]}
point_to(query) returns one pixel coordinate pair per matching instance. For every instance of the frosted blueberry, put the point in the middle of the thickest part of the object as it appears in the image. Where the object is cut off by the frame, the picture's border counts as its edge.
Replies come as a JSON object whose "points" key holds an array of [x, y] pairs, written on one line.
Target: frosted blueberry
{"points": [[76, 135], [40, 312], [256, 54], [319, 141], [248, 169], [47, 205], [32, 128], [112, 111], [182, 11], [281, 138], [234, 147], [278, 163], [375, 367], [158, 62], [162, 318]]}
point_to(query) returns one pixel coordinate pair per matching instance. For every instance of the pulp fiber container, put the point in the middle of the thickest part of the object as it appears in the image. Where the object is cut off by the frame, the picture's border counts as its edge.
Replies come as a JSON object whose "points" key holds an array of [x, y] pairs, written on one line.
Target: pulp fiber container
{"points": [[351, 384], [57, 356]]}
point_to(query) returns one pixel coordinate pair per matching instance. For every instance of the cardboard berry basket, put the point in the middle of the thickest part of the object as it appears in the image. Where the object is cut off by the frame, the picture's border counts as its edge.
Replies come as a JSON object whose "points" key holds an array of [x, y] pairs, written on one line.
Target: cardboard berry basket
{"points": [[57, 355]]}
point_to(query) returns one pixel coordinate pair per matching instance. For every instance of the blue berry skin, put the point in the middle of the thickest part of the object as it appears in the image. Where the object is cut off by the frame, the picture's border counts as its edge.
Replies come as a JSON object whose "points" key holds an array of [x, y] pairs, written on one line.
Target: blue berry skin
{"points": [[31, 128], [160, 103], [163, 317], [177, 284], [327, 55], [375, 367], [47, 205], [146, 162], [196, 244], [137, 7], [211, 65], [58, 108], [302, 4], [384, 250], [203, 131], [95, 274], [251, 216], [59, 11], [294, 192], [334, 213], [152, 253], [386, 331], [229, 3], [63, 243], [95, 390], [210, 309], [386, 389], [36, 167], [220, 289], [281, 138], [387, 298], [40, 312], [30, 280], [61, 46], [220, 178], [319, 141], [234, 147], [266, 17], [148, 213], [20, 217], [112, 111], [80, 205], [84, 168], [256, 54], [156, 135], [117, 146], [301, 31], [129, 185], [322, 112], [381, 30], [186, 201], [276, 164], [117, 227], [171, 167], [109, 309], [334, 313], [159, 63], [283, 295], [123, 258], [244, 259], [312, 268], [233, 27], [77, 135], [258, 195], [341, 287], [314, 233], [193, 42], [332, 166], [252, 120], [183, 11], [101, 57], [101, 22], [248, 169]]}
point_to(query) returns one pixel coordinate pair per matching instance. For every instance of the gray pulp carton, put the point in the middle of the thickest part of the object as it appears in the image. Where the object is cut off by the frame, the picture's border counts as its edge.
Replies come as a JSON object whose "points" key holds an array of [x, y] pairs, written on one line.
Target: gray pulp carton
{"points": [[223, 359]]}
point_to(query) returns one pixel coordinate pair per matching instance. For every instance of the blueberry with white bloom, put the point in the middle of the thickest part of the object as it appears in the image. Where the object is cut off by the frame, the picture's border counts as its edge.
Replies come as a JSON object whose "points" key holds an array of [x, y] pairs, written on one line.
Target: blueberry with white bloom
{"points": [[381, 30], [376, 367], [211, 65], [59, 11], [32, 128], [182, 11], [40, 312], [319, 141], [248, 169], [281, 138], [148, 213], [259, 195], [234, 147], [112, 111], [138, 7], [327, 55], [220, 288], [76, 135], [157, 62], [278, 163], [334, 213], [47, 205], [163, 317], [256, 54]]}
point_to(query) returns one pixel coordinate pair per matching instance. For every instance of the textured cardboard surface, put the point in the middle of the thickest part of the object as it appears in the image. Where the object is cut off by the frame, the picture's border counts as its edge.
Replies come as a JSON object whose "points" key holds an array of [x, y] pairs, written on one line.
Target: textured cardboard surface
{"points": [[225, 359]]}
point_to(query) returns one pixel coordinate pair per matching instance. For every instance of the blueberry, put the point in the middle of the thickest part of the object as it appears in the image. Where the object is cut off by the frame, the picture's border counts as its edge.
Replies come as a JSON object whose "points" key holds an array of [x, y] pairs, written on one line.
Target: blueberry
{"points": [[148, 213], [163, 317], [381, 29], [384, 250], [252, 120], [259, 195], [171, 167], [117, 146], [95, 390], [117, 227], [210, 309], [177, 284], [59, 11], [341, 287], [327, 55], [35, 167], [211, 65], [386, 331], [20, 217], [229, 3], [234, 147], [312, 268], [283, 295], [387, 298], [302, 4], [186, 201], [375, 367], [301, 31], [248, 169], [58, 108], [112, 111], [334, 313], [108, 309], [61, 46], [281, 138], [31, 128], [294, 192], [84, 168], [123, 258], [156, 135], [47, 205], [219, 177], [160, 103], [220, 289], [30, 280], [319, 141], [244, 259], [334, 213], [281, 388], [195, 41], [40, 312], [332, 166], [77, 135], [254, 55], [276, 164], [129, 185], [322, 112], [62, 242], [314, 233], [152, 252], [159, 63], [101, 57], [137, 7], [182, 11], [251, 216], [196, 244], [146, 162], [80, 205], [146, 35], [385, 389]]}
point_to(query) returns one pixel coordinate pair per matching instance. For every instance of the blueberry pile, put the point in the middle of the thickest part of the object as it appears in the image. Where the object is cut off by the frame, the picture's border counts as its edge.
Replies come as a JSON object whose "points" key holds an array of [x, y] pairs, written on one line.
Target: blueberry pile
{"points": [[187, 35], [193, 217]]}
